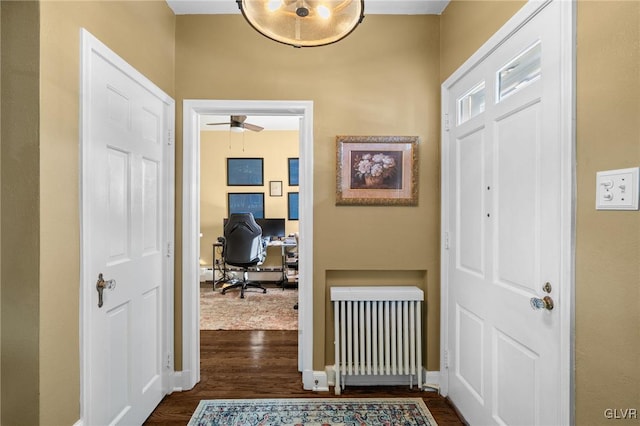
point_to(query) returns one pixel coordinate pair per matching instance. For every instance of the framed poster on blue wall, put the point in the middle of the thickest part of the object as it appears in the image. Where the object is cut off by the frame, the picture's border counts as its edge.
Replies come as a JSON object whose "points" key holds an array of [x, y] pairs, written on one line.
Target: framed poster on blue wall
{"points": [[246, 202], [245, 172], [292, 205], [294, 171]]}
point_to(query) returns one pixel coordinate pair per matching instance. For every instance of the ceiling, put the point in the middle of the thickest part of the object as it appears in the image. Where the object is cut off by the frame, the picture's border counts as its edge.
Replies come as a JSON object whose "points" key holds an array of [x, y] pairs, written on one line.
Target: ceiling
{"points": [[371, 7]]}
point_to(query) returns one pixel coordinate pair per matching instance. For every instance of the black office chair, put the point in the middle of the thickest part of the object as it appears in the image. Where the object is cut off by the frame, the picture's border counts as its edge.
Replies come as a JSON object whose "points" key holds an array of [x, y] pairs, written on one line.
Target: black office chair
{"points": [[243, 246]]}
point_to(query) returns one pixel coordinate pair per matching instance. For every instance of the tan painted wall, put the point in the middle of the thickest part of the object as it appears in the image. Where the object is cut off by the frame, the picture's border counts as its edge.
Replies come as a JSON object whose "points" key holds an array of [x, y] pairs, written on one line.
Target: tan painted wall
{"points": [[275, 147], [607, 243], [20, 214], [0, 217], [466, 24], [608, 137], [143, 34], [381, 80]]}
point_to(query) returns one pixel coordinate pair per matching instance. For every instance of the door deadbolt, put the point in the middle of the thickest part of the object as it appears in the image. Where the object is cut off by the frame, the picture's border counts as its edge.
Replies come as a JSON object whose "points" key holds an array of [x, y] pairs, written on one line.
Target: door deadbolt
{"points": [[546, 287]]}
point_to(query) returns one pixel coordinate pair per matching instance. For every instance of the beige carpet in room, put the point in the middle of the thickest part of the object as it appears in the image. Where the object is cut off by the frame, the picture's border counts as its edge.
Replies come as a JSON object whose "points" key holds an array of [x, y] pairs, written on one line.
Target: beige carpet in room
{"points": [[272, 310]]}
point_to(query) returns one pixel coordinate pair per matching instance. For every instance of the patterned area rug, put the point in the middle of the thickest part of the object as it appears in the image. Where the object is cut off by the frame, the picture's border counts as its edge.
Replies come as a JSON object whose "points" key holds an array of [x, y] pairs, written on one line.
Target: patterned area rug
{"points": [[272, 310], [313, 411]]}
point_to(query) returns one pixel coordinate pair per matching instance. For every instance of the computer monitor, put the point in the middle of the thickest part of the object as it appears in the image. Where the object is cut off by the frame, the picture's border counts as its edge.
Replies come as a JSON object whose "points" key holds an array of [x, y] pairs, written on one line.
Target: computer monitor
{"points": [[270, 227]]}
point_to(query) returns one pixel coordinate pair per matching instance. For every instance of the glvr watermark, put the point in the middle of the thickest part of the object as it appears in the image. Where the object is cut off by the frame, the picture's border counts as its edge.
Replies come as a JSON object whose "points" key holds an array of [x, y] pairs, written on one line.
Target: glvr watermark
{"points": [[621, 413]]}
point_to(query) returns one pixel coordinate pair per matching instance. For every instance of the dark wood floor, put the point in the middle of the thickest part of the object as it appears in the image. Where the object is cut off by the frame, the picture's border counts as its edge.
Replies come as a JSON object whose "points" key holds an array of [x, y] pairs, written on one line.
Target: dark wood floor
{"points": [[263, 364]]}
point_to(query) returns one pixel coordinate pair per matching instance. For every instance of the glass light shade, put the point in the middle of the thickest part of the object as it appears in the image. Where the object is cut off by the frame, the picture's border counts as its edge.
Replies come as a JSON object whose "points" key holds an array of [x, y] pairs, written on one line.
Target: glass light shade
{"points": [[303, 23]]}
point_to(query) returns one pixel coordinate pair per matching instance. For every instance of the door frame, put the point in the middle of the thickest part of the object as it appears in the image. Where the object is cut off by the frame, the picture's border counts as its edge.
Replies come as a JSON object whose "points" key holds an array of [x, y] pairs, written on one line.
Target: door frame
{"points": [[192, 109], [90, 45], [566, 297]]}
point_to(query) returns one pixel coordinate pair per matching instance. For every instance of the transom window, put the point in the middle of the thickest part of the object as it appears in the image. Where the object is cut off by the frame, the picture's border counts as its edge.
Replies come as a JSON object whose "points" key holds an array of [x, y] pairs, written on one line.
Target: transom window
{"points": [[520, 72], [471, 103]]}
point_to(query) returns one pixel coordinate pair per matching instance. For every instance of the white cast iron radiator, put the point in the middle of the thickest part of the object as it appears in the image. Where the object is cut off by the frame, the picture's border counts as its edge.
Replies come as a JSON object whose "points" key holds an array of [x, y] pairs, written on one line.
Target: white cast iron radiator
{"points": [[378, 332]]}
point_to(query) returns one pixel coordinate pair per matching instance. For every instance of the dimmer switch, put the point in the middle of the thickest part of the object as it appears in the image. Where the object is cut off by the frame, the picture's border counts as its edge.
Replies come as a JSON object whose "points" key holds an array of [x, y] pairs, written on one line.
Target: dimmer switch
{"points": [[618, 189]]}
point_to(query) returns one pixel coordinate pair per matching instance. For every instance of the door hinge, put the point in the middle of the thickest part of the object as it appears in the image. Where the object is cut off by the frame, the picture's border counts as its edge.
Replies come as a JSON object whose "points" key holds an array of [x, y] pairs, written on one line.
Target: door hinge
{"points": [[169, 361], [170, 137], [169, 250], [446, 359], [446, 240], [445, 121]]}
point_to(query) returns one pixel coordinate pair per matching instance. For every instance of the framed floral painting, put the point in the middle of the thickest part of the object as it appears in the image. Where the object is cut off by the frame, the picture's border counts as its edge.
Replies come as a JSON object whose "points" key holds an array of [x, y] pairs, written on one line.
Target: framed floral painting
{"points": [[377, 170]]}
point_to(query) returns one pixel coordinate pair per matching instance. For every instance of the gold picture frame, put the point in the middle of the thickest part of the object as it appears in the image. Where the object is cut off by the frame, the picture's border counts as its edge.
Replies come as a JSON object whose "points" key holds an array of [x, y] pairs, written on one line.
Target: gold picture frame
{"points": [[377, 170]]}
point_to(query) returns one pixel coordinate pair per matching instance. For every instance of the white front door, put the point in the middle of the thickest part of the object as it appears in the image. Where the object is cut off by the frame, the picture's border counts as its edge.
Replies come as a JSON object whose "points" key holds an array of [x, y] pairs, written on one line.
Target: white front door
{"points": [[126, 235], [505, 176]]}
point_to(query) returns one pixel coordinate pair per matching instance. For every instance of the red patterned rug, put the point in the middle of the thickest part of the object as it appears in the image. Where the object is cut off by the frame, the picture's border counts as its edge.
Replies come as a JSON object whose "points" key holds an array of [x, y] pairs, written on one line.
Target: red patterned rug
{"points": [[272, 310]]}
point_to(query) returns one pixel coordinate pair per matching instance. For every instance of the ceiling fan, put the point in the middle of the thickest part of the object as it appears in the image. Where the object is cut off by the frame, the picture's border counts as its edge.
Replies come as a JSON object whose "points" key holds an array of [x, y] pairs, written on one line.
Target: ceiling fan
{"points": [[237, 124]]}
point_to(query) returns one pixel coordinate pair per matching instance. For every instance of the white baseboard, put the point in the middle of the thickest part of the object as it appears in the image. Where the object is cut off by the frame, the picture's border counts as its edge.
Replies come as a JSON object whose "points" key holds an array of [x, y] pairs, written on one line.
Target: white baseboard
{"points": [[179, 381], [432, 381], [314, 381]]}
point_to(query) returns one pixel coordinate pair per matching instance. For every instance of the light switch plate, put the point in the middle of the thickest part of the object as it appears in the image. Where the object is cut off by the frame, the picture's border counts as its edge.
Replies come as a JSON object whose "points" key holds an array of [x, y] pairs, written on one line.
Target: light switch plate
{"points": [[618, 189]]}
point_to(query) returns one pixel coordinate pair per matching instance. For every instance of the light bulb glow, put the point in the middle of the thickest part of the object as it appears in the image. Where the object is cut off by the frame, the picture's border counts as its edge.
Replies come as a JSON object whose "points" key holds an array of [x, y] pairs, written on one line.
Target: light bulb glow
{"points": [[303, 23], [274, 5], [323, 11]]}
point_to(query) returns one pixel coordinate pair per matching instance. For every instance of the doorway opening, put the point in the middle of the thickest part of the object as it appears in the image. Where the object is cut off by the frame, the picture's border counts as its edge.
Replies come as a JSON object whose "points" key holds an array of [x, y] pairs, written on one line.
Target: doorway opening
{"points": [[193, 110], [249, 163]]}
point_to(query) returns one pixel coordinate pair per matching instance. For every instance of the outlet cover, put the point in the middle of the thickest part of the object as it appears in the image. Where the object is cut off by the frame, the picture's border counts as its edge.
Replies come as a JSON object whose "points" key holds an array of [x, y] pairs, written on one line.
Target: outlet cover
{"points": [[618, 189]]}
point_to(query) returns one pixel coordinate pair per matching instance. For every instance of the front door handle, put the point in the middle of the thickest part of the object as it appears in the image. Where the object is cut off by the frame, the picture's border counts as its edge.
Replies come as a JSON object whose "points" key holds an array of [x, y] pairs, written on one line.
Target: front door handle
{"points": [[544, 303], [101, 285]]}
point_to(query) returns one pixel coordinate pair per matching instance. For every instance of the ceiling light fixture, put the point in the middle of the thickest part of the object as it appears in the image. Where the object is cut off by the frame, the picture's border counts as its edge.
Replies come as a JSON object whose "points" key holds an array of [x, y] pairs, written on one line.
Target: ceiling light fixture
{"points": [[236, 128], [303, 23]]}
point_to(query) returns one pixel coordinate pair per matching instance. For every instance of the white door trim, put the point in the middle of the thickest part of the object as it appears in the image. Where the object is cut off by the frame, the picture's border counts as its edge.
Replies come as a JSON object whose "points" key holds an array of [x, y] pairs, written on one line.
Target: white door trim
{"points": [[91, 45], [567, 125], [192, 109]]}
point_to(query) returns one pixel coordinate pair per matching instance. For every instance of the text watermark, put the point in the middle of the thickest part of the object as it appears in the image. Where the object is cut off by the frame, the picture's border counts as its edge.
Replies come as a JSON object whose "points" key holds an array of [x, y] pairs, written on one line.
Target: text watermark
{"points": [[621, 413]]}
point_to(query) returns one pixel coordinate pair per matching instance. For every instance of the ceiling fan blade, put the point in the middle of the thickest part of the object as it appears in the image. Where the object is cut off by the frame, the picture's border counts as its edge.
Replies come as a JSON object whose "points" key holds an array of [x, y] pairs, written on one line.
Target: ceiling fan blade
{"points": [[252, 127], [238, 118], [217, 124]]}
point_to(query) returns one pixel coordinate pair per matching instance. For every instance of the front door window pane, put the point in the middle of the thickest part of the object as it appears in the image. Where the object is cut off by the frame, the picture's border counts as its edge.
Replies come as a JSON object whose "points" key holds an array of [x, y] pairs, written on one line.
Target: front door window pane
{"points": [[520, 72], [471, 103]]}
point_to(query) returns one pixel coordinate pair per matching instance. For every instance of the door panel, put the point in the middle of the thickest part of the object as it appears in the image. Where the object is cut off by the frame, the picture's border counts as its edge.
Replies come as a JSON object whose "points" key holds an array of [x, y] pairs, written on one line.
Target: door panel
{"points": [[128, 138], [515, 402], [470, 342], [517, 166], [118, 362], [117, 208], [470, 190], [151, 206], [125, 215], [149, 363], [503, 212]]}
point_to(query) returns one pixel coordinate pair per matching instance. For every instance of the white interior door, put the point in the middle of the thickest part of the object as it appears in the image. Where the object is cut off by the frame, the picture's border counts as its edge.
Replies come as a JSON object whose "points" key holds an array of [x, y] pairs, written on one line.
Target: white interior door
{"points": [[505, 182], [126, 240]]}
